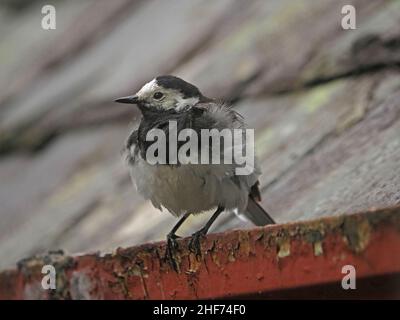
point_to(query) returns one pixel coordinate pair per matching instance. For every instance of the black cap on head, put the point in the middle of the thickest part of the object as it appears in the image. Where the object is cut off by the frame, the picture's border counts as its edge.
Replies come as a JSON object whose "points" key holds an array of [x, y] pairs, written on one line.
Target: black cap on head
{"points": [[170, 82]]}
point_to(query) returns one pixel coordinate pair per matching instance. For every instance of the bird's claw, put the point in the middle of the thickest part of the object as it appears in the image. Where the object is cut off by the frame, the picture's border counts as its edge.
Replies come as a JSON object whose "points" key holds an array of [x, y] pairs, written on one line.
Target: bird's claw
{"points": [[172, 247], [195, 242]]}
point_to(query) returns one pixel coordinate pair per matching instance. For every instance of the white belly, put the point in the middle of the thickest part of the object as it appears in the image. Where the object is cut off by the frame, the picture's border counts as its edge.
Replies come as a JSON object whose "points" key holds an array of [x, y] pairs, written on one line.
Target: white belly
{"points": [[188, 188]]}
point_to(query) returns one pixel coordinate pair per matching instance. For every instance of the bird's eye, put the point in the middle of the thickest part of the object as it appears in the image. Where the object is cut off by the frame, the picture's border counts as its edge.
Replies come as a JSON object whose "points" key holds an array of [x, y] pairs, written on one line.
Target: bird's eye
{"points": [[158, 95]]}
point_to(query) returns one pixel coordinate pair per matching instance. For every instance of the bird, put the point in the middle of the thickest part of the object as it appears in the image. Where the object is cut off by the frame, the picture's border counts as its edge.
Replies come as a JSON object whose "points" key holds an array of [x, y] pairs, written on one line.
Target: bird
{"points": [[186, 189]]}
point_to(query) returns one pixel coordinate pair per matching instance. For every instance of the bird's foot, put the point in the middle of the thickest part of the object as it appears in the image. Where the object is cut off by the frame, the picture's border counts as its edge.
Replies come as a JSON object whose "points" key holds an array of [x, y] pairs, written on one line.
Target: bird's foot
{"points": [[172, 247], [195, 242]]}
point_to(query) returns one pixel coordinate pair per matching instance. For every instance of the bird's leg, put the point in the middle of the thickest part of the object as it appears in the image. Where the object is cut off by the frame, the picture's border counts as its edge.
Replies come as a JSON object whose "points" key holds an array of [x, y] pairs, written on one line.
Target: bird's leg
{"points": [[194, 244], [172, 245]]}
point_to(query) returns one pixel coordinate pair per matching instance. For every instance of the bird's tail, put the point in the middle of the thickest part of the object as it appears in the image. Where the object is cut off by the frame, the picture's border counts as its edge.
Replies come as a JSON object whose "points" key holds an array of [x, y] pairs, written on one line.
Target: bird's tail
{"points": [[257, 214]]}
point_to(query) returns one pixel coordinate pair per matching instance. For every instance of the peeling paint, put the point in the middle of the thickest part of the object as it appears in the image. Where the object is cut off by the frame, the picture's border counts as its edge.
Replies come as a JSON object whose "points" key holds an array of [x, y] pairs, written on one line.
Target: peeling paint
{"points": [[318, 251], [244, 243], [34, 291], [194, 263], [284, 249], [231, 256], [357, 234], [240, 259], [80, 286]]}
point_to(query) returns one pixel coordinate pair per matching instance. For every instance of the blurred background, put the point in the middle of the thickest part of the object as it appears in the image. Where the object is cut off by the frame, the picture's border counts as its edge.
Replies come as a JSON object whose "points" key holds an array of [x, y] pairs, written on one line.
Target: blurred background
{"points": [[324, 101]]}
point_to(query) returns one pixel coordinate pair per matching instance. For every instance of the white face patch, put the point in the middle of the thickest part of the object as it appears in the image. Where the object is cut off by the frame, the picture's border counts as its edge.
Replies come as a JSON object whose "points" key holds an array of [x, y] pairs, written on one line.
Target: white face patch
{"points": [[147, 89], [171, 99], [183, 103]]}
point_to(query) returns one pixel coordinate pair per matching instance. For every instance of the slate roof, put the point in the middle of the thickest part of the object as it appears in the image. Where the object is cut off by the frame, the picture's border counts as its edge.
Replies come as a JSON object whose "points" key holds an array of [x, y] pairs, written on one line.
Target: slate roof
{"points": [[325, 103]]}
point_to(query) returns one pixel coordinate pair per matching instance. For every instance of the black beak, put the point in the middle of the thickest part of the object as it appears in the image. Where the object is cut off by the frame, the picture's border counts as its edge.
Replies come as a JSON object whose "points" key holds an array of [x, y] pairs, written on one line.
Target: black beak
{"points": [[128, 99]]}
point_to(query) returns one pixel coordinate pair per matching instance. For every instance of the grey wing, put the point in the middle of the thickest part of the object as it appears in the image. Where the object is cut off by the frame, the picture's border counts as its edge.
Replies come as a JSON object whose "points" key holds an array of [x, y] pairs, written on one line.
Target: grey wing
{"points": [[221, 116]]}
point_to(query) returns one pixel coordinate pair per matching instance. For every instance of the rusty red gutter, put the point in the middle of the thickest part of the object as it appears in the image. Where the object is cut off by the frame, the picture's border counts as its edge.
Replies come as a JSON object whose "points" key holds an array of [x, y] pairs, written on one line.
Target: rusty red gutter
{"points": [[294, 260]]}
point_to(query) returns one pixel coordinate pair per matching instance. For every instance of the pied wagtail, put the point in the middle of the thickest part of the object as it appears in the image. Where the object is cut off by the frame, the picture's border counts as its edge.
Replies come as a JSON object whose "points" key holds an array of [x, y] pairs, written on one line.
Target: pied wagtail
{"points": [[185, 189]]}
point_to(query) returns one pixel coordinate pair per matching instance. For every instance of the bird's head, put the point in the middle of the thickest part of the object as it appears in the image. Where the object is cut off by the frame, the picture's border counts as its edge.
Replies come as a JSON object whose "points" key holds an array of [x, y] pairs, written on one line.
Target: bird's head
{"points": [[165, 93]]}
